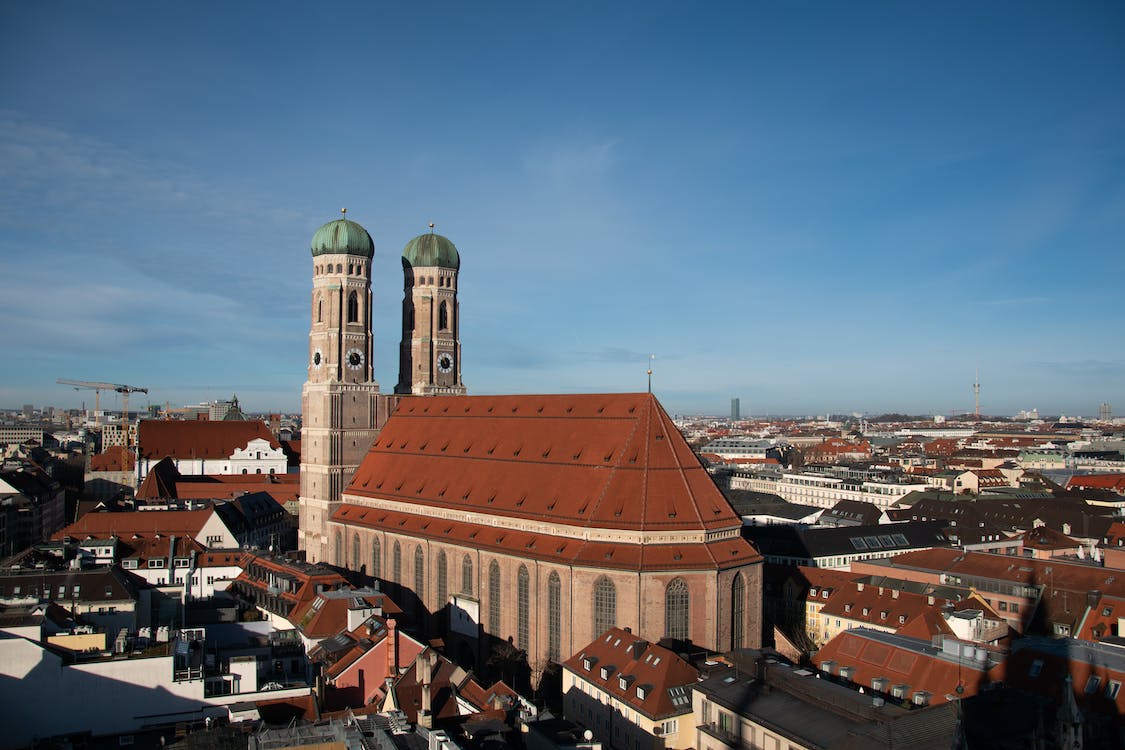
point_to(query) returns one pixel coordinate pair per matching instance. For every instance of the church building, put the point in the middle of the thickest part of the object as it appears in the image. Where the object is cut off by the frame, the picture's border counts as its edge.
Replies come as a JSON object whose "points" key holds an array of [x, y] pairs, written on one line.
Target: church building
{"points": [[541, 521]]}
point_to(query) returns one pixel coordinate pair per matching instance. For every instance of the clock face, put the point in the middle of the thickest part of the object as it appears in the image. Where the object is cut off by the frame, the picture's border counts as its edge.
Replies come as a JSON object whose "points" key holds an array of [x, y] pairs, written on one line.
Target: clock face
{"points": [[317, 359], [445, 362], [355, 359]]}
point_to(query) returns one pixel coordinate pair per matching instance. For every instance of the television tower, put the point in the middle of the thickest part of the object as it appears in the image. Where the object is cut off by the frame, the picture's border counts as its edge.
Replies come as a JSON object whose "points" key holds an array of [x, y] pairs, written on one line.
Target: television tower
{"points": [[976, 396]]}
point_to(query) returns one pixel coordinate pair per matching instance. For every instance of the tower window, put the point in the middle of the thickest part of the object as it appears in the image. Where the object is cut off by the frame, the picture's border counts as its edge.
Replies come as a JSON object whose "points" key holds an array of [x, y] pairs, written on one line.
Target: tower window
{"points": [[467, 575], [339, 268], [353, 308], [737, 608], [351, 269], [443, 316], [320, 311]]}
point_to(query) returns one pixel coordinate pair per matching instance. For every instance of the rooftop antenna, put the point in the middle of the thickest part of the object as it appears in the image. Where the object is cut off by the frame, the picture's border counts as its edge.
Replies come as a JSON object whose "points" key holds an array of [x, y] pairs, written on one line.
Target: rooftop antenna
{"points": [[976, 395], [650, 358]]}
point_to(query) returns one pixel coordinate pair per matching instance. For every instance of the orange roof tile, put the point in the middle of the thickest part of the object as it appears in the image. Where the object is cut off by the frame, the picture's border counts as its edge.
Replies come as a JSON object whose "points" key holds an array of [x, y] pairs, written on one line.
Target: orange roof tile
{"points": [[114, 458], [145, 523], [629, 663], [204, 439], [723, 553], [604, 461]]}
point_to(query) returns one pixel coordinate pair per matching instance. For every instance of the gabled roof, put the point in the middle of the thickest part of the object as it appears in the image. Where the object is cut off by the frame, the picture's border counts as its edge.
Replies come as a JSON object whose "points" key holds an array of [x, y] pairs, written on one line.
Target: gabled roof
{"points": [[145, 523], [911, 662], [651, 679], [199, 439], [1113, 482], [1043, 538], [114, 458], [611, 461]]}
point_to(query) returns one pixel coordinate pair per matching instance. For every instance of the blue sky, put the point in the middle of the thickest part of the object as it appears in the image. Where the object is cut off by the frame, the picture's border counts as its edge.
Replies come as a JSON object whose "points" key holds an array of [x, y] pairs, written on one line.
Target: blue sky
{"points": [[810, 206]]}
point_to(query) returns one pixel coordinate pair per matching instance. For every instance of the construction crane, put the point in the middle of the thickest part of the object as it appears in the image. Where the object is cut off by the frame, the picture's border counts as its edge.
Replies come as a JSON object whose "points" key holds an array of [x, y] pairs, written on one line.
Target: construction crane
{"points": [[97, 388]]}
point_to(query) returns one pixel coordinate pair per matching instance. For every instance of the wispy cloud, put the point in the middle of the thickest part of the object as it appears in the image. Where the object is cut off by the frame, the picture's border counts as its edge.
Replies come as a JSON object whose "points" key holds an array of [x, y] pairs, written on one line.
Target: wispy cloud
{"points": [[1085, 367]]}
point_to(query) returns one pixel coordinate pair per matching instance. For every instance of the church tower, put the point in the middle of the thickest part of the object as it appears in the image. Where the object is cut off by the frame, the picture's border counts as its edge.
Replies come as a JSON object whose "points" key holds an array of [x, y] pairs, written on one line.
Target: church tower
{"points": [[430, 354], [341, 408]]}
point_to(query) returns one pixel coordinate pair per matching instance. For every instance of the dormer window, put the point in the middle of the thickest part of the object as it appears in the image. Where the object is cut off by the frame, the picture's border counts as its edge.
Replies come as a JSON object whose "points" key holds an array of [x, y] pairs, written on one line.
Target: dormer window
{"points": [[901, 619], [606, 671], [847, 608], [866, 611], [883, 615], [642, 691]]}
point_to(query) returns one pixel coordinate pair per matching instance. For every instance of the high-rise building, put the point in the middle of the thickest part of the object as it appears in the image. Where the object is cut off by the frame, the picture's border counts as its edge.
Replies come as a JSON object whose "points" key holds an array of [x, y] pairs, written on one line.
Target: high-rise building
{"points": [[735, 409]]}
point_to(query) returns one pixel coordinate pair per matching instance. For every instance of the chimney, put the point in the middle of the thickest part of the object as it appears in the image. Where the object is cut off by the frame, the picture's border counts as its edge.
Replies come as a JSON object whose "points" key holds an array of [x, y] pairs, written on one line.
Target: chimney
{"points": [[639, 648], [425, 712], [392, 648]]}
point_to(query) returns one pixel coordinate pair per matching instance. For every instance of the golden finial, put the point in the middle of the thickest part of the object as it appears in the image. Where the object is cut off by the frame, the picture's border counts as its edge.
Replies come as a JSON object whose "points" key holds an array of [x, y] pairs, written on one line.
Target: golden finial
{"points": [[431, 227], [344, 211]]}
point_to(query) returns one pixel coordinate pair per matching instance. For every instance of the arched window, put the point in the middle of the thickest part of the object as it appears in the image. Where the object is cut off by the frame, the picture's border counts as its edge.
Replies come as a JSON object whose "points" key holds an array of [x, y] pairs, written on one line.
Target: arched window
{"points": [[467, 575], [443, 316], [737, 605], [605, 605], [442, 581], [339, 560], [258, 470], [554, 616], [320, 311], [676, 606], [353, 308], [376, 558], [351, 269], [396, 563], [356, 562], [419, 574], [494, 598], [339, 268], [523, 605]]}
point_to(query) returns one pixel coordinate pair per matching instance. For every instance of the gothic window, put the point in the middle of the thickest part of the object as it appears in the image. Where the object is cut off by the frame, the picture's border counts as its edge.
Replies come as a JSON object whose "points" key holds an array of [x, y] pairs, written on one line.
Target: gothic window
{"points": [[467, 575], [676, 605], [396, 563], [554, 605], [605, 605], [443, 316], [494, 599], [376, 559], [339, 544], [353, 308], [737, 605], [523, 597], [320, 311], [351, 269], [442, 580], [419, 574], [356, 563]]}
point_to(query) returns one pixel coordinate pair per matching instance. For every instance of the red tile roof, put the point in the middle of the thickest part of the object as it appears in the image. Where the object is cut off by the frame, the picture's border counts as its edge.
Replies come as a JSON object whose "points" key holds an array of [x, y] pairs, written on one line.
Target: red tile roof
{"points": [[114, 458], [1113, 482], [604, 461], [906, 661], [721, 554], [1054, 574], [143, 522], [205, 439], [655, 670]]}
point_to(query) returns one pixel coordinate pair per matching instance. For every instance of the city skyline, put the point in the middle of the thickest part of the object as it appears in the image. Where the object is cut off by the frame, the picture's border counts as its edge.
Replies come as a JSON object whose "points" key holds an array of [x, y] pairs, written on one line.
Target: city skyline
{"points": [[823, 209]]}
